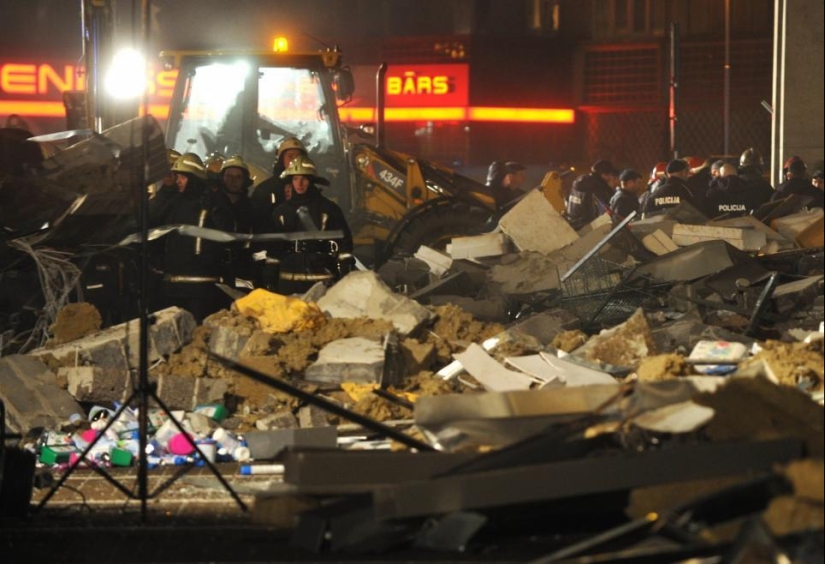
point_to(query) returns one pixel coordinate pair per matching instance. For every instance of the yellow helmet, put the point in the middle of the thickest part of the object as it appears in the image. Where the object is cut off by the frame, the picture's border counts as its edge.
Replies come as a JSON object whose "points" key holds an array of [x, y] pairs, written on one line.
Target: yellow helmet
{"points": [[303, 166], [190, 163], [172, 155], [235, 161], [214, 162], [289, 143]]}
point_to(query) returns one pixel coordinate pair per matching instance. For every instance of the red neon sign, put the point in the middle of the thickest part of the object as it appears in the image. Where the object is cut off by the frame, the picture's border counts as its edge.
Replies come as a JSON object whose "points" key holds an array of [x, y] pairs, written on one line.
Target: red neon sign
{"points": [[427, 86]]}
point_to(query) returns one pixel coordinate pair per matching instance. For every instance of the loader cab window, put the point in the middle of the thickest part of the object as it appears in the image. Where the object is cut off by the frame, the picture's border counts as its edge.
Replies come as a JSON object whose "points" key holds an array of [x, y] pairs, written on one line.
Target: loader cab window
{"points": [[211, 113], [292, 102], [243, 108]]}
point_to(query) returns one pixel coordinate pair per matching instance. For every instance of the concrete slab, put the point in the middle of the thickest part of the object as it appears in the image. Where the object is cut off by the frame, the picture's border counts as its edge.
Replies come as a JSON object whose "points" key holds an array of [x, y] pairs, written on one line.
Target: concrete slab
{"points": [[349, 360], [363, 294], [534, 225], [31, 395]]}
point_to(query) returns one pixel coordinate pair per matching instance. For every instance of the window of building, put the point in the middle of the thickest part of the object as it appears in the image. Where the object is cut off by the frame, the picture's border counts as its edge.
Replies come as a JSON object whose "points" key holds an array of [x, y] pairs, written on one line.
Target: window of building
{"points": [[623, 18]]}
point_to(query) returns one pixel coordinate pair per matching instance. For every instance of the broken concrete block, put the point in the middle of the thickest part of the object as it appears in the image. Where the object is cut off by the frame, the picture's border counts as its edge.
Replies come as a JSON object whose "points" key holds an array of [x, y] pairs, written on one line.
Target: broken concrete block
{"points": [[694, 262], [439, 263], [452, 284], [742, 239], [775, 239], [569, 255], [529, 273], [266, 445], [96, 385], [405, 273], [362, 294], [534, 225], [492, 375], [546, 325], [623, 346], [494, 309], [659, 243], [185, 392], [280, 420], [348, 360], [792, 225], [31, 395], [798, 294], [812, 236], [311, 416], [417, 356], [117, 347], [227, 342], [479, 246]]}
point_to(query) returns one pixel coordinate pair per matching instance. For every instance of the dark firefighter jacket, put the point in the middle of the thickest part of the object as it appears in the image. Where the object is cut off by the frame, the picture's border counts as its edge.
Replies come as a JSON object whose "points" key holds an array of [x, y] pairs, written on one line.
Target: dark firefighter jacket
{"points": [[760, 189], [670, 194], [801, 187], [589, 198]]}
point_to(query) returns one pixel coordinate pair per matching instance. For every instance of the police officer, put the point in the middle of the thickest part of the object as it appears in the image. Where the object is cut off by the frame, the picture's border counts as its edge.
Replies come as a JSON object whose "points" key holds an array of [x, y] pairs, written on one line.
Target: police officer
{"points": [[798, 183], [751, 168], [699, 177], [729, 195], [673, 192], [304, 263], [192, 266], [272, 192], [591, 193], [626, 199]]}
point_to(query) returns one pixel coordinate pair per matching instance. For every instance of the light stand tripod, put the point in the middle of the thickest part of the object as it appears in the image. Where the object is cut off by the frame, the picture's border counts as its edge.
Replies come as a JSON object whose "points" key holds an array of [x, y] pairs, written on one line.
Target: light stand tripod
{"points": [[144, 392]]}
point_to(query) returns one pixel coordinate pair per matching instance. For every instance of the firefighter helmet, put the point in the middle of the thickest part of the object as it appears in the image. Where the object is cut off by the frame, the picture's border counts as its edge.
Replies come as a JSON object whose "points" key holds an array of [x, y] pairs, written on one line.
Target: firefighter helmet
{"points": [[190, 163], [172, 155], [290, 143], [235, 161], [751, 157], [791, 161], [658, 171], [303, 166], [214, 162], [695, 164]]}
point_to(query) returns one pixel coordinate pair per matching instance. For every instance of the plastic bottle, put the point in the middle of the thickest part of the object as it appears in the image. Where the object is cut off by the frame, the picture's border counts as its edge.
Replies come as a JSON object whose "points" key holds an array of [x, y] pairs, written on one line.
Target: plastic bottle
{"points": [[230, 446], [216, 411], [253, 469]]}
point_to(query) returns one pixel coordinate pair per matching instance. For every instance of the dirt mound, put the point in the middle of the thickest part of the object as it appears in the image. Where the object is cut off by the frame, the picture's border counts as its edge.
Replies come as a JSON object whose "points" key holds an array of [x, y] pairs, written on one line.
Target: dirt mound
{"points": [[75, 321]]}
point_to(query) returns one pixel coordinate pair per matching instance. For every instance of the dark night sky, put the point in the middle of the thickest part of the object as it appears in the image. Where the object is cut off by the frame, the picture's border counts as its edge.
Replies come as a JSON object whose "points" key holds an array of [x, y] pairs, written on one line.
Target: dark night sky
{"points": [[52, 27]]}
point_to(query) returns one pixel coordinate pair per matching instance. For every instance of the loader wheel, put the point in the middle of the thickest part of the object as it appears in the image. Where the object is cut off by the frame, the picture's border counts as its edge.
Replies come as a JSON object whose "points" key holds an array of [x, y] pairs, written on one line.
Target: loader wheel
{"points": [[438, 226]]}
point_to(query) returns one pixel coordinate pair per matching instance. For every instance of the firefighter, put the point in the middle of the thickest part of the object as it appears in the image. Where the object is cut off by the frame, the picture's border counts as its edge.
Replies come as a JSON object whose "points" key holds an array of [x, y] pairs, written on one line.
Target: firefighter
{"points": [[504, 181], [729, 195], [798, 183], [626, 199], [301, 264], [591, 193], [272, 192], [236, 181], [192, 266], [751, 169], [673, 192]]}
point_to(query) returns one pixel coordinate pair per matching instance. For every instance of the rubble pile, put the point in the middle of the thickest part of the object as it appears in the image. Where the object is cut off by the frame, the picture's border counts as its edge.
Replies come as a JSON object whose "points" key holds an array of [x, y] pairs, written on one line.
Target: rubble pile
{"points": [[641, 376]]}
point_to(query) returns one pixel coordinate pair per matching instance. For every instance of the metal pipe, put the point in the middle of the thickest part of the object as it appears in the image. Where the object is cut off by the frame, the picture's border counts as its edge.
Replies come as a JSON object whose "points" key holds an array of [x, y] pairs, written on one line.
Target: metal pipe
{"points": [[380, 103], [726, 117], [673, 105]]}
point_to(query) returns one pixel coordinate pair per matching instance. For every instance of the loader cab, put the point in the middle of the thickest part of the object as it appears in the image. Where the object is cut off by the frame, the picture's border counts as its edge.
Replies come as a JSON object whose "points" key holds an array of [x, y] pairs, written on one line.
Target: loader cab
{"points": [[247, 103]]}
